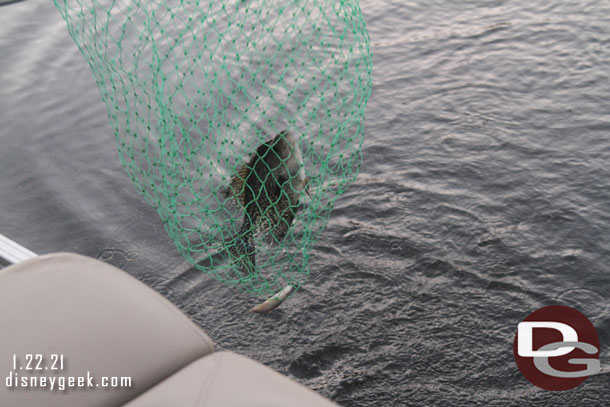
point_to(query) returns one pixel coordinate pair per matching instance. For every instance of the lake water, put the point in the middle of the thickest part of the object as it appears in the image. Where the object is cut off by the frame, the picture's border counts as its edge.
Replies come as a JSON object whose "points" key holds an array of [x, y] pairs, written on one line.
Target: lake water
{"points": [[484, 194]]}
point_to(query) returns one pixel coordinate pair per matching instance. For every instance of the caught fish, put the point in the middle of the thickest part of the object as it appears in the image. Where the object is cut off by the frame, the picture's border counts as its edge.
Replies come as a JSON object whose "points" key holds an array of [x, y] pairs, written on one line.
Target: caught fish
{"points": [[268, 189]]}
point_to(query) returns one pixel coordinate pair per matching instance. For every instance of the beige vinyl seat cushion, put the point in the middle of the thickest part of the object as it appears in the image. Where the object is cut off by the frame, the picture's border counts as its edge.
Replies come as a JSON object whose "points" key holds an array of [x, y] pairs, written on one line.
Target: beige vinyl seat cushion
{"points": [[226, 379], [105, 322]]}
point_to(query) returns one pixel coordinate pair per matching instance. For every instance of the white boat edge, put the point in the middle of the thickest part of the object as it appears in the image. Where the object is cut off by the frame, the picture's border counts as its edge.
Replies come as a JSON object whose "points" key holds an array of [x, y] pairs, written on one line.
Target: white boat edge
{"points": [[12, 252]]}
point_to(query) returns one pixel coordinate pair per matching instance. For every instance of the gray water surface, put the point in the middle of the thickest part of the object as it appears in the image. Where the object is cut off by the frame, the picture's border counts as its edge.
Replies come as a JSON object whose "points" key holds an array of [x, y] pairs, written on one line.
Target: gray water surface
{"points": [[484, 194]]}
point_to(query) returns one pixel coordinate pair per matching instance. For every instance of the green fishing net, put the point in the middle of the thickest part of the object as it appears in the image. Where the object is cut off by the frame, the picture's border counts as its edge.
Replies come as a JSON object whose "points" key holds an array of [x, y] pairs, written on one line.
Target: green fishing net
{"points": [[199, 95]]}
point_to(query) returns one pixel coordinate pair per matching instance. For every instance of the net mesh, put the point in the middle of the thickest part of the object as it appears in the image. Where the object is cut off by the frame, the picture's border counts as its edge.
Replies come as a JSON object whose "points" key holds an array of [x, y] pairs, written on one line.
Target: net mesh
{"points": [[241, 122]]}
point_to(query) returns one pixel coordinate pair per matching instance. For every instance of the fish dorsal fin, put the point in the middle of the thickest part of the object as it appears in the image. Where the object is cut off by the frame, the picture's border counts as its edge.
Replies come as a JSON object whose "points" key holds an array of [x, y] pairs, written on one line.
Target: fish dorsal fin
{"points": [[238, 183]]}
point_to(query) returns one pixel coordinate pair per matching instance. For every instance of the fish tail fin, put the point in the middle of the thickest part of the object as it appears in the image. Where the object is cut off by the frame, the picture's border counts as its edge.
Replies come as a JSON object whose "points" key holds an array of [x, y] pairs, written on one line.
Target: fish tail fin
{"points": [[243, 253], [239, 250]]}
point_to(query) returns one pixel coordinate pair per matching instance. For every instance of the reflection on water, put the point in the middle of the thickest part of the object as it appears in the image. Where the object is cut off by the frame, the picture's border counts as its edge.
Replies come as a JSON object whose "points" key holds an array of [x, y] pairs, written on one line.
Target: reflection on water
{"points": [[483, 196]]}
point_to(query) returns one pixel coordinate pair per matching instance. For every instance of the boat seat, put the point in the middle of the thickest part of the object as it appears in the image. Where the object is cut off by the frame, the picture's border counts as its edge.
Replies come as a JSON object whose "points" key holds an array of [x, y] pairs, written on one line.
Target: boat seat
{"points": [[106, 323]]}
